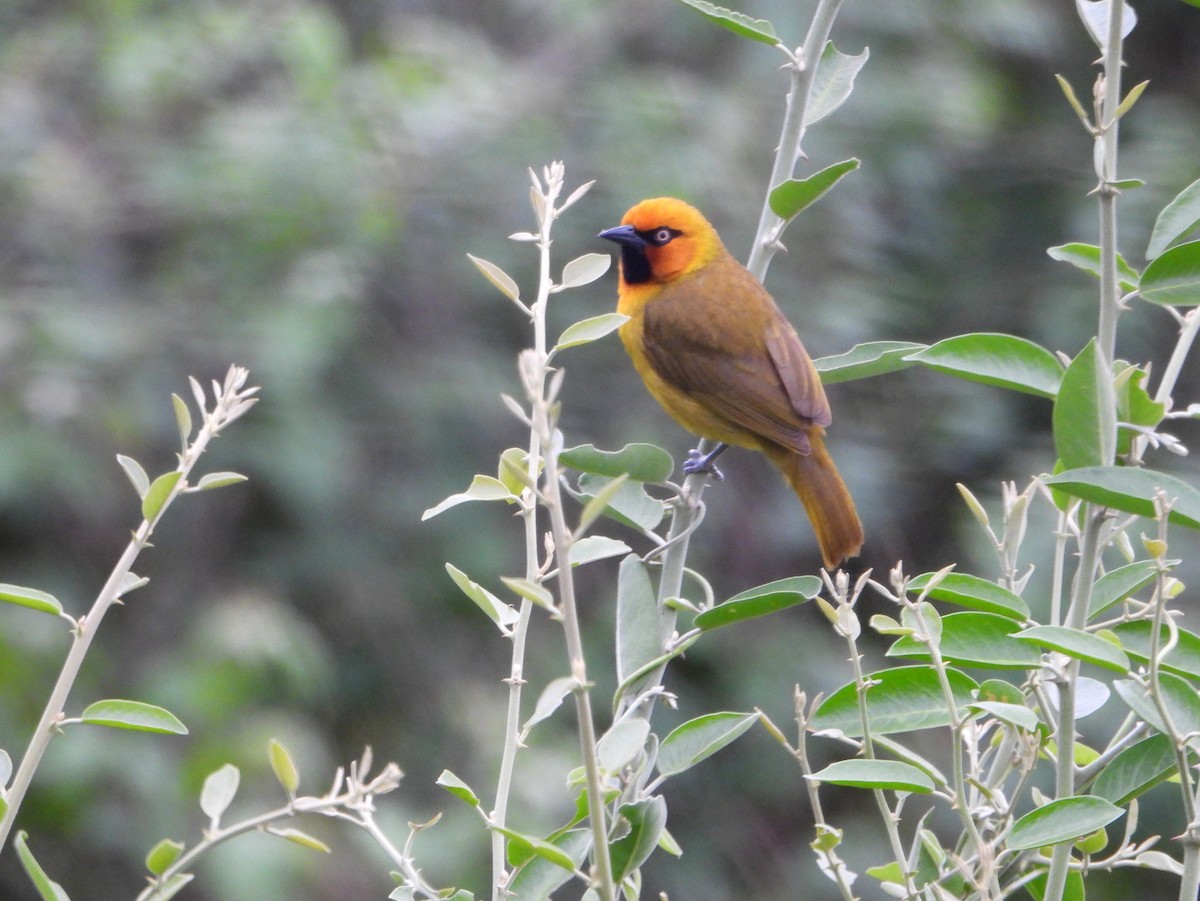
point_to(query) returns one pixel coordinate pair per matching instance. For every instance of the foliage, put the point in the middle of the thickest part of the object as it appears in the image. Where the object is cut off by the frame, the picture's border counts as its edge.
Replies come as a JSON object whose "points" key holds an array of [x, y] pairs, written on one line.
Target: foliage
{"points": [[929, 732]]}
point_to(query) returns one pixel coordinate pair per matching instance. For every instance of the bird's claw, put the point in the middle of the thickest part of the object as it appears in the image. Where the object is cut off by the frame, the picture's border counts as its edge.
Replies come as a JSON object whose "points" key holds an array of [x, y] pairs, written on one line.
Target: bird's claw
{"points": [[698, 462]]}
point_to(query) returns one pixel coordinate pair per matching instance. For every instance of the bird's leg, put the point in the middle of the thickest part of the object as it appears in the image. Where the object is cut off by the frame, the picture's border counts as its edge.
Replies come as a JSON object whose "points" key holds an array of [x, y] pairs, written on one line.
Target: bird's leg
{"points": [[699, 462]]}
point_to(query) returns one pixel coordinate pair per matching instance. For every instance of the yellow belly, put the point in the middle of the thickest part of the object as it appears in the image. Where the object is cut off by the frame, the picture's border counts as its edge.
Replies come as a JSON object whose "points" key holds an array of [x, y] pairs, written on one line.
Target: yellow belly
{"points": [[689, 412]]}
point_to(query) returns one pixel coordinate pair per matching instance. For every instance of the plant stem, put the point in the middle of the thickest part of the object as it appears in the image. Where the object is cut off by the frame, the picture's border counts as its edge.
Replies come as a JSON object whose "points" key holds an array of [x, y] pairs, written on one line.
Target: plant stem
{"points": [[890, 823], [230, 402], [55, 709], [802, 71], [583, 706], [516, 676], [535, 373], [961, 801], [1110, 288], [1064, 783]]}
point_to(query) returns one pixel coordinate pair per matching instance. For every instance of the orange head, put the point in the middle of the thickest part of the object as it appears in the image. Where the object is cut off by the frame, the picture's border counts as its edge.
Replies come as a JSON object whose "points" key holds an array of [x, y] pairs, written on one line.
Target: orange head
{"points": [[662, 239]]}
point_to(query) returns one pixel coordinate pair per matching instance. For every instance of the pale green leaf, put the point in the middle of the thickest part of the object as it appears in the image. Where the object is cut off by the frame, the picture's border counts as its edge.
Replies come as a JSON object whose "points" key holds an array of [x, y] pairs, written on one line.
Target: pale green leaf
{"points": [[483, 488], [135, 472], [136, 715], [738, 23], [584, 270], [881, 774], [283, 766], [700, 738], [1177, 218], [218, 791], [833, 82], [1063, 820], [158, 494], [31, 598], [588, 330]]}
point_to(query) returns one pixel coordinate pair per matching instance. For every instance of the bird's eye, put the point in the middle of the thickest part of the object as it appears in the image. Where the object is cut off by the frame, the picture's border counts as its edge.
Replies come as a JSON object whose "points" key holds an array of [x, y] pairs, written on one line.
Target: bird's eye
{"points": [[663, 236]]}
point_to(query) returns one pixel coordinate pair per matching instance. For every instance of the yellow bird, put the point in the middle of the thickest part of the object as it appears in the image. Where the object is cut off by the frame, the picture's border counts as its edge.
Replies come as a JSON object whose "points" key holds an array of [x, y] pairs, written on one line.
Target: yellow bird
{"points": [[717, 353]]}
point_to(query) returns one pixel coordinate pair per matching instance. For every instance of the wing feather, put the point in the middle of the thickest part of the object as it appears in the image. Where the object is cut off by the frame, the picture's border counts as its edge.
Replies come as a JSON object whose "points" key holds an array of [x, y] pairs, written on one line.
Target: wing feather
{"points": [[719, 338]]}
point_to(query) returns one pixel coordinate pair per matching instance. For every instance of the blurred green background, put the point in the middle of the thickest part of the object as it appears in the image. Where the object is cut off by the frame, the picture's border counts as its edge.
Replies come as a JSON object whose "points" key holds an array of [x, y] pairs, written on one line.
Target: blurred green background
{"points": [[294, 185]]}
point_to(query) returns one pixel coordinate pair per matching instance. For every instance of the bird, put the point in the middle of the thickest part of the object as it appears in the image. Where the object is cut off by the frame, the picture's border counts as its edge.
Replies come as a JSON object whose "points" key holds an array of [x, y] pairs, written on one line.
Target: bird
{"points": [[716, 352]]}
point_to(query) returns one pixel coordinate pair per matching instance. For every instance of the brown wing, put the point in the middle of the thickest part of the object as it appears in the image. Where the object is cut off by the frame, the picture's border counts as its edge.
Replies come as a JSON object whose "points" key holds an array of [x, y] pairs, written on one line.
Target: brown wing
{"points": [[718, 337]]}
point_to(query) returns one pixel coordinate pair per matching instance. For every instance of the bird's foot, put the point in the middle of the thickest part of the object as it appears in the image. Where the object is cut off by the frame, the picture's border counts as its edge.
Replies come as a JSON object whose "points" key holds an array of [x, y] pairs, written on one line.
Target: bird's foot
{"points": [[698, 462]]}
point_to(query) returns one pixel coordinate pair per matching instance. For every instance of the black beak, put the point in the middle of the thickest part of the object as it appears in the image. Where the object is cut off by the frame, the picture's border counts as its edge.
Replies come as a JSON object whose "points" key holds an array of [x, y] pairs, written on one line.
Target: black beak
{"points": [[625, 235]]}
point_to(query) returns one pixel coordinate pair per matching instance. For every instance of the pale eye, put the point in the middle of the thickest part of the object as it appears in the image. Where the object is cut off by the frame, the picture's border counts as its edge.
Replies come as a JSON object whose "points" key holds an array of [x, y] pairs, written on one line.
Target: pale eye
{"points": [[663, 236]]}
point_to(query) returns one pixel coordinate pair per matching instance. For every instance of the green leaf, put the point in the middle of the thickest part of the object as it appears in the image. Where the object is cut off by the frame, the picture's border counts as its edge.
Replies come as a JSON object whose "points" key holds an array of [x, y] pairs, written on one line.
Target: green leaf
{"points": [[738, 23], [183, 418], [1183, 659], [596, 547], [219, 790], [530, 591], [755, 602], [498, 277], [588, 330], [884, 774], [637, 618], [1118, 584], [1001, 691], [134, 715], [971, 591], [300, 838], [283, 766], [1136, 770], [502, 614], [622, 743], [162, 855], [1081, 645], [700, 738], [641, 462], [789, 198], [1063, 820], [1085, 422], [550, 699], [1174, 277], [159, 493], [137, 475], [1014, 714], [1087, 258], [1178, 217], [865, 360], [1178, 696], [626, 502], [1130, 490], [903, 699], [47, 888], [512, 470], [646, 820], [1135, 406], [833, 82], [522, 847], [31, 598], [483, 488], [599, 492], [538, 879], [1002, 360], [583, 270], [219, 480], [974, 639], [458, 788]]}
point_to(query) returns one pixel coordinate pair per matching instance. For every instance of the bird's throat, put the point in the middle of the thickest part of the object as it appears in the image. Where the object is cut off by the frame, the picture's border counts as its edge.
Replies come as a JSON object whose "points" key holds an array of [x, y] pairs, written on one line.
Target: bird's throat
{"points": [[635, 265]]}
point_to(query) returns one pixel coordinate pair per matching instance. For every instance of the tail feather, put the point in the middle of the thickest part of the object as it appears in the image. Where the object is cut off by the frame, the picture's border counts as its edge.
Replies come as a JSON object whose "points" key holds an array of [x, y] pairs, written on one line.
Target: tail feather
{"points": [[815, 480]]}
